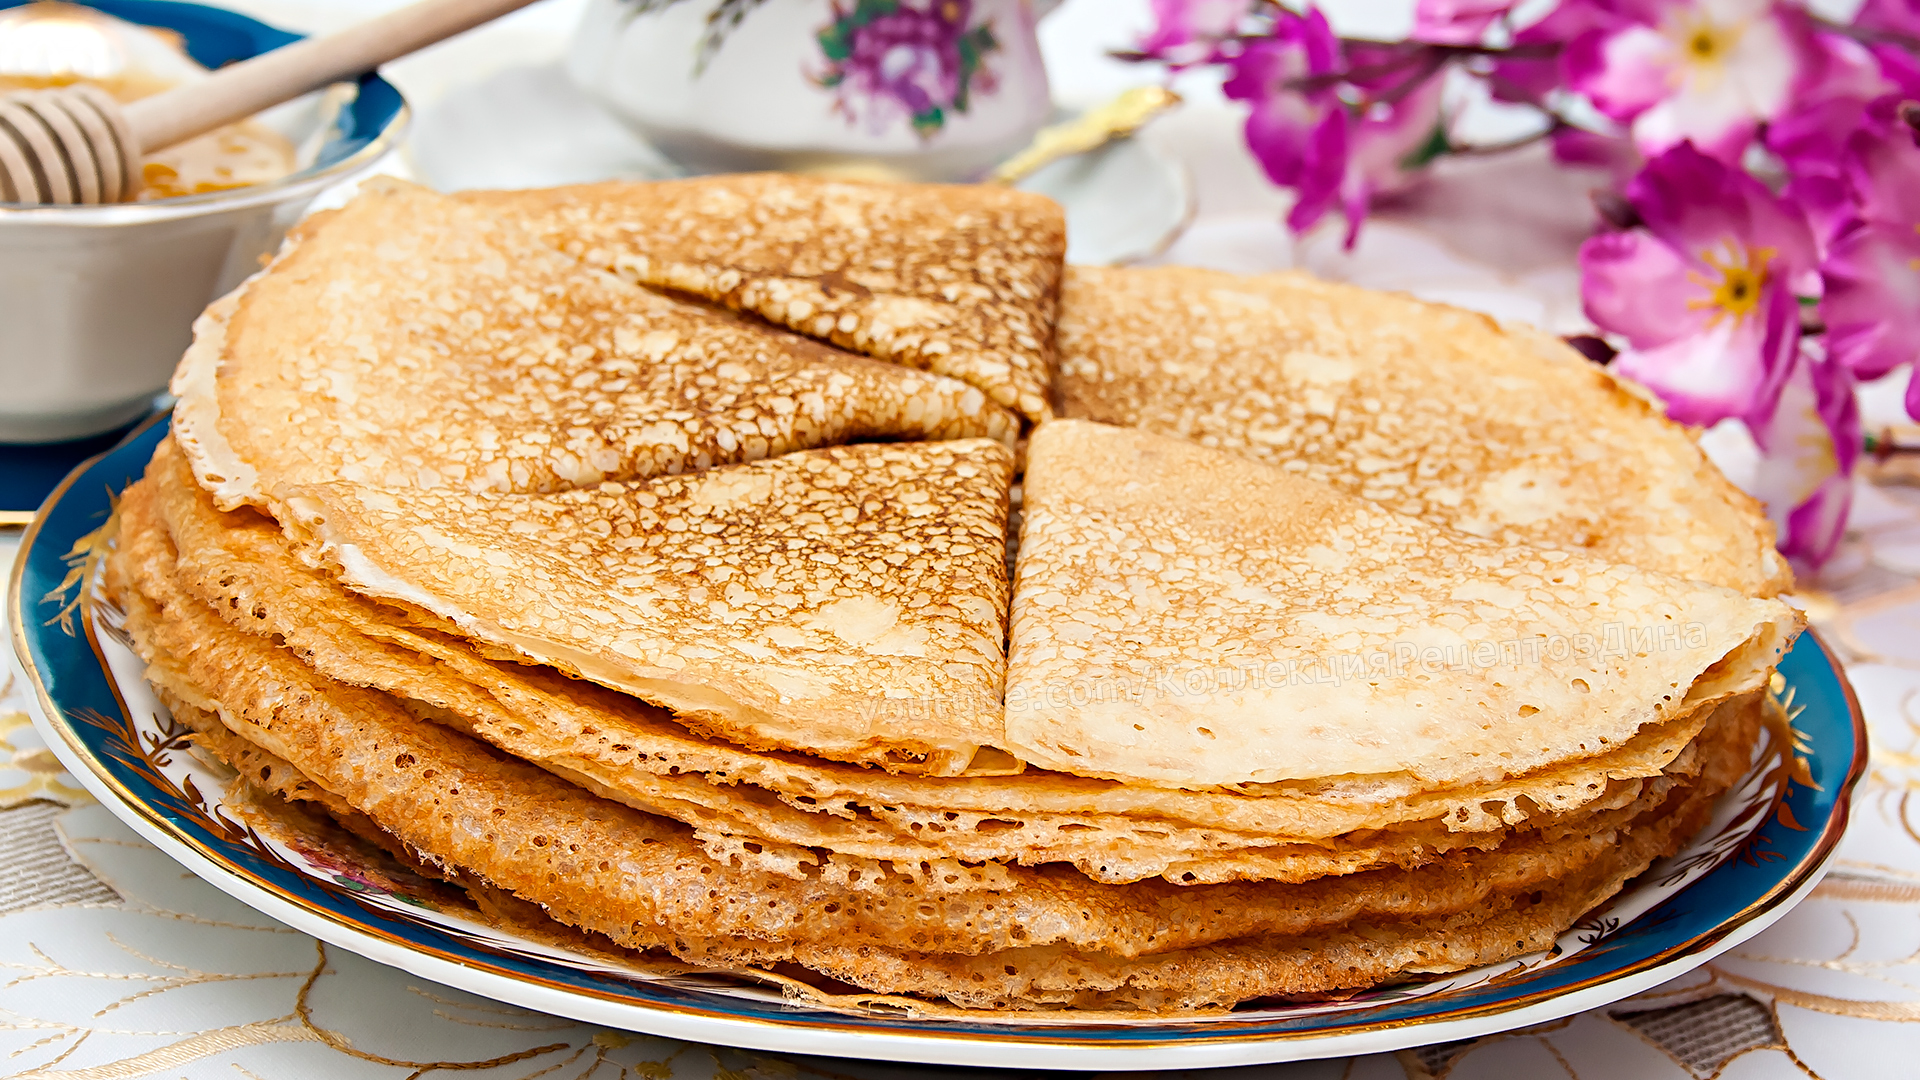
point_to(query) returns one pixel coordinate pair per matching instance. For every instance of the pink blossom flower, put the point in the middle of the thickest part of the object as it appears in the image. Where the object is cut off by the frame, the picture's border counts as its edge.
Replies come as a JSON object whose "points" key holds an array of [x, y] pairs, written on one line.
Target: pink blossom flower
{"points": [[1189, 31], [1842, 80], [1592, 150], [1332, 152], [1297, 129], [1871, 276], [1900, 64], [1391, 141], [1531, 70], [1701, 71], [1456, 22], [1809, 447], [1704, 294], [1893, 16], [1837, 80]]}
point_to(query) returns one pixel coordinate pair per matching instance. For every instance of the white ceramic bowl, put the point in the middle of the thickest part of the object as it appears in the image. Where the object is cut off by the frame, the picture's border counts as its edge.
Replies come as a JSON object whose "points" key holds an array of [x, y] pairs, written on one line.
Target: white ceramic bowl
{"points": [[97, 303]]}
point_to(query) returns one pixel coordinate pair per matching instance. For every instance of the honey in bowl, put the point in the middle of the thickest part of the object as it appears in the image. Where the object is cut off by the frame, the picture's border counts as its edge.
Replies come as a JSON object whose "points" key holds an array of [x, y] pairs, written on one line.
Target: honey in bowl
{"points": [[45, 45], [233, 156]]}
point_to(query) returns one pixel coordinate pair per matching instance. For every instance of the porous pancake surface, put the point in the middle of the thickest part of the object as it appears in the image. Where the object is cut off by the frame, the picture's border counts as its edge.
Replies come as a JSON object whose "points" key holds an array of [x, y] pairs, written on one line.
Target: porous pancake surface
{"points": [[1496, 430], [1188, 616], [411, 340], [240, 566], [962, 280], [847, 602]]}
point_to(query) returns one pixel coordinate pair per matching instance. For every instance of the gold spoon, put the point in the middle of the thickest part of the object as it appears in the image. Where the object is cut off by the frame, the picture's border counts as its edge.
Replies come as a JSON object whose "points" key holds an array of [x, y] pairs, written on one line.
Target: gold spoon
{"points": [[1089, 131]]}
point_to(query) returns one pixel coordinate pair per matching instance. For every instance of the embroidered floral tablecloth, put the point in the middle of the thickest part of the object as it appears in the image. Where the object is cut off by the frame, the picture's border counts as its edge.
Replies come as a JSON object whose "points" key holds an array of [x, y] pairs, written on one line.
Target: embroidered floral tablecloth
{"points": [[115, 962]]}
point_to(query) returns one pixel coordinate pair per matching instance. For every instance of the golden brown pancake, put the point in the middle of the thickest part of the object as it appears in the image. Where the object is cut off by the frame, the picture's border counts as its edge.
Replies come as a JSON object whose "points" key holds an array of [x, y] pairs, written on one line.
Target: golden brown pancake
{"points": [[1183, 615], [409, 340], [962, 280], [239, 565], [847, 602], [646, 883], [493, 536], [1496, 430], [1183, 980]]}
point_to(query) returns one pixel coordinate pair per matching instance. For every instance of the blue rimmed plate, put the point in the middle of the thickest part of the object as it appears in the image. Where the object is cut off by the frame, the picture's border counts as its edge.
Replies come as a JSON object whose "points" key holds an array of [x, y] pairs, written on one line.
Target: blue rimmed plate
{"points": [[1766, 848]]}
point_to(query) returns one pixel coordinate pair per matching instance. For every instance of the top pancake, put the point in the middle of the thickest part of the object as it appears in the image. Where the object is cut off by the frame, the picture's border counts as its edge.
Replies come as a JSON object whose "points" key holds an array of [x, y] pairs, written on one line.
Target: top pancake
{"points": [[961, 280], [409, 340], [1498, 431], [1185, 616]]}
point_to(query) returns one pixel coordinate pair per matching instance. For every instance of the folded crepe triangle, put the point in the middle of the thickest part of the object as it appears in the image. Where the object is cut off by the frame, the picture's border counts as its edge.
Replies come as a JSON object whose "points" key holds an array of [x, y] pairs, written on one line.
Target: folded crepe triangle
{"points": [[962, 280], [409, 339], [848, 602], [1185, 616]]}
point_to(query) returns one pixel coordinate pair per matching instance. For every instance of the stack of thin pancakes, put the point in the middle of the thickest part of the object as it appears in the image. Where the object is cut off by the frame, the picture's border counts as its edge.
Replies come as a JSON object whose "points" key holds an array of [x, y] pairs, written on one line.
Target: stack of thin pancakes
{"points": [[554, 540]]}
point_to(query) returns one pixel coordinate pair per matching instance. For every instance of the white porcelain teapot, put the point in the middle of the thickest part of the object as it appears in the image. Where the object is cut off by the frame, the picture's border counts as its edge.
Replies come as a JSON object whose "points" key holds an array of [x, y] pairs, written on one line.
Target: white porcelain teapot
{"points": [[922, 89]]}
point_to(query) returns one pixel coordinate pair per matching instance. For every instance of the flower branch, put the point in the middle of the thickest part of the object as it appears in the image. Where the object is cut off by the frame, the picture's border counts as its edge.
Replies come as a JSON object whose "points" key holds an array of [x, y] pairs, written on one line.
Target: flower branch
{"points": [[1758, 253]]}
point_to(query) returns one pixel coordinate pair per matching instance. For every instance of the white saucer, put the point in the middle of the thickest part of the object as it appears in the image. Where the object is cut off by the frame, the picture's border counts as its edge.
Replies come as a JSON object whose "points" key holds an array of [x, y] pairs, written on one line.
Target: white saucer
{"points": [[529, 126]]}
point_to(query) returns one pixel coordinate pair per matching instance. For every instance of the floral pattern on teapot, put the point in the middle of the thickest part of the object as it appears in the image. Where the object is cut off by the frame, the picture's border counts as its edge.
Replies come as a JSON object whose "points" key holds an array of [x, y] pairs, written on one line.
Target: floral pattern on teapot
{"points": [[889, 59]]}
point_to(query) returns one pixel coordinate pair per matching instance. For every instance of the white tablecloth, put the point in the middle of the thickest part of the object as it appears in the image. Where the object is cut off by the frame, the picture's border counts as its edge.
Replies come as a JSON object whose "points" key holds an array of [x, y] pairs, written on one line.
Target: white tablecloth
{"points": [[115, 962]]}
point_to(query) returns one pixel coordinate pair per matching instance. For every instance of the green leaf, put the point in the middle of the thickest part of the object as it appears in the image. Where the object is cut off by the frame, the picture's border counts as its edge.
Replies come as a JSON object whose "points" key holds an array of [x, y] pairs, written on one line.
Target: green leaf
{"points": [[836, 42], [1437, 144]]}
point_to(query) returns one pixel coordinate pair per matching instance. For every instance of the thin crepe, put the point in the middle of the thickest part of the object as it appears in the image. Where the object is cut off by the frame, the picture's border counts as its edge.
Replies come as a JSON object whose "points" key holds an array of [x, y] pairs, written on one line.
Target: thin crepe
{"points": [[962, 280], [409, 340], [1184, 980], [1493, 429], [1186, 616], [847, 602], [646, 883]]}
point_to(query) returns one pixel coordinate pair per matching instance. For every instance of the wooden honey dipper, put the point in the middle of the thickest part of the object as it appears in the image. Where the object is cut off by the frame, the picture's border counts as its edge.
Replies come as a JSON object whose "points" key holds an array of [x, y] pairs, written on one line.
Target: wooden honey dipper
{"points": [[77, 145]]}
